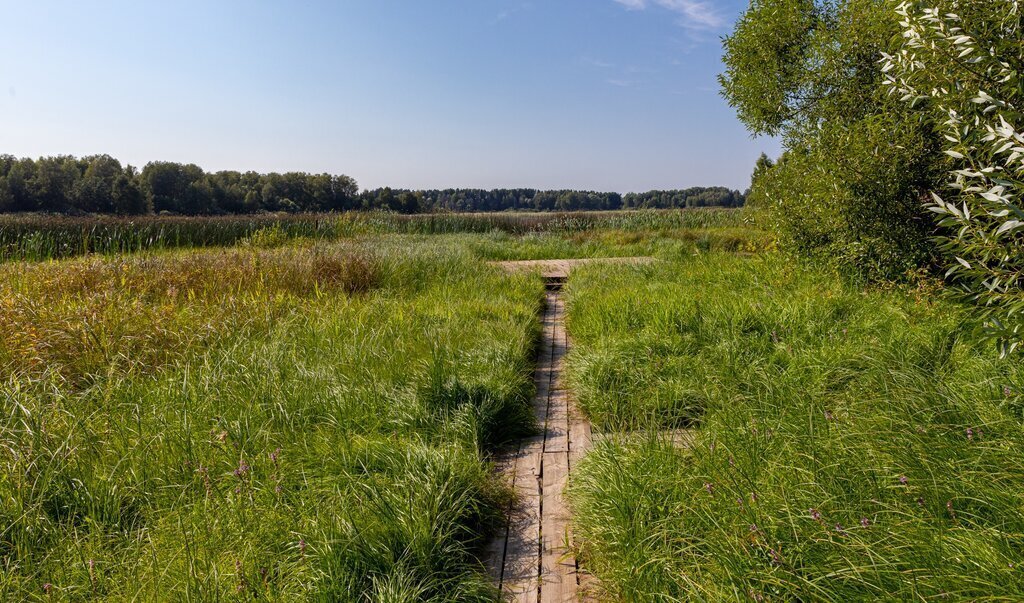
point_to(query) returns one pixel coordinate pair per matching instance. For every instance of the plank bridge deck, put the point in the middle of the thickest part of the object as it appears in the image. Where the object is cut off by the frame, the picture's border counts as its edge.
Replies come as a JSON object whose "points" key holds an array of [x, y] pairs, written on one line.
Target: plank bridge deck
{"points": [[533, 561]]}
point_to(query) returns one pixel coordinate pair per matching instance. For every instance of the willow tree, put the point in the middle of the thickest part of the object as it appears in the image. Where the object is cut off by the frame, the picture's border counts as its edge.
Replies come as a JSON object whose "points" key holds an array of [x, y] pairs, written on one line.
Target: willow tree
{"points": [[960, 63]]}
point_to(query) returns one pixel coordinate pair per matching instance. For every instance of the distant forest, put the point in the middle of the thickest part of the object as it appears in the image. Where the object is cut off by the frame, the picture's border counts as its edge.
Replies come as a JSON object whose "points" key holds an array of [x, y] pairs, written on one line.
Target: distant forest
{"points": [[100, 184], [527, 199]]}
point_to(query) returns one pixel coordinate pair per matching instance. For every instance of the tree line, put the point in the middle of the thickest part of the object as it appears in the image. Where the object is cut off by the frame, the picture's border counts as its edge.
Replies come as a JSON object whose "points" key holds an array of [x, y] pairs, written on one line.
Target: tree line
{"points": [[479, 200], [100, 184]]}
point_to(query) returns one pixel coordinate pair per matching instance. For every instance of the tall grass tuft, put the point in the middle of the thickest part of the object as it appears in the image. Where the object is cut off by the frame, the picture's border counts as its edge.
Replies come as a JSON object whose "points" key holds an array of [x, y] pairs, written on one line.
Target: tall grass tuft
{"points": [[845, 445], [278, 423]]}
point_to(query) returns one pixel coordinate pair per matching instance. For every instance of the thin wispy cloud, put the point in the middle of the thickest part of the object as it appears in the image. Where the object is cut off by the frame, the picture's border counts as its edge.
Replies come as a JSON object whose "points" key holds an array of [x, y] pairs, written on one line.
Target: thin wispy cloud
{"points": [[592, 62], [510, 12], [694, 14]]}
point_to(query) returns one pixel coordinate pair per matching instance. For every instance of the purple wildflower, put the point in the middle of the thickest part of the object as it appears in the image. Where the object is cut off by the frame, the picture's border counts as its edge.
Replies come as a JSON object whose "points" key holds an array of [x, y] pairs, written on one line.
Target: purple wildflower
{"points": [[839, 529], [865, 522], [275, 454], [47, 588], [302, 547], [205, 474], [920, 501], [242, 584], [1007, 391], [709, 487], [776, 558], [903, 480], [815, 514], [243, 468], [970, 434], [753, 497]]}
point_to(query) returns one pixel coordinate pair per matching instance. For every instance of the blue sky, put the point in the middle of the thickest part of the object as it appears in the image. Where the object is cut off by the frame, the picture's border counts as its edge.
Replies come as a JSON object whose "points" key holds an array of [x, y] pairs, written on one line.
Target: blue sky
{"points": [[616, 95]]}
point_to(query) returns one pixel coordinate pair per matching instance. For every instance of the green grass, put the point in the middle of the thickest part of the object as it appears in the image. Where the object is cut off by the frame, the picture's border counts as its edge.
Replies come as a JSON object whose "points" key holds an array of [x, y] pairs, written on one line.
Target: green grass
{"points": [[299, 423], [295, 417], [848, 445], [311, 418]]}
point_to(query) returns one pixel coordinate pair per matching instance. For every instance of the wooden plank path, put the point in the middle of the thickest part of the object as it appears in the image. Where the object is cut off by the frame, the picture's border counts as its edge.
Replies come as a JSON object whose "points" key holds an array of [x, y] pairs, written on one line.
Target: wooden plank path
{"points": [[560, 269], [533, 562]]}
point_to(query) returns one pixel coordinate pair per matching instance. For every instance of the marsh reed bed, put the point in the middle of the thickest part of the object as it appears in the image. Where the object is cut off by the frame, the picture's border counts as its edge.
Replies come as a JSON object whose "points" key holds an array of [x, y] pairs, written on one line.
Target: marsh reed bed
{"points": [[521, 223], [41, 237], [34, 237]]}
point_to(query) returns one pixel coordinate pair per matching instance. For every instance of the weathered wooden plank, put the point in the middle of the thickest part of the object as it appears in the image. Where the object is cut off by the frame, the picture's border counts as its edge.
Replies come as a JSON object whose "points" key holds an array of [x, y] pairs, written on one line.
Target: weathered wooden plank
{"points": [[680, 438], [562, 268], [558, 423], [558, 417], [580, 442], [558, 567], [494, 560], [520, 576]]}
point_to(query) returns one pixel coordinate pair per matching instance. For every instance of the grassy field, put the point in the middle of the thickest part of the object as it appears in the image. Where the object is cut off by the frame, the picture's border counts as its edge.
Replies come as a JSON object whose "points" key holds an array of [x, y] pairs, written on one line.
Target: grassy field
{"points": [[847, 445], [295, 415], [295, 423]]}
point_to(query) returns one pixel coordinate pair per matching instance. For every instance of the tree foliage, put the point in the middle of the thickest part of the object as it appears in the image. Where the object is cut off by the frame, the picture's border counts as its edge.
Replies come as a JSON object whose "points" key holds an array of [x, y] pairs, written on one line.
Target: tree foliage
{"points": [[101, 185], [848, 188], [528, 199], [960, 62]]}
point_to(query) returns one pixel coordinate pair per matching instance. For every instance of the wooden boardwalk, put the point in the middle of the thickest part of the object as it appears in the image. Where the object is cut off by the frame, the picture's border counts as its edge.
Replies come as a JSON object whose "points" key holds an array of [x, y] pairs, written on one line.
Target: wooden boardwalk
{"points": [[560, 269], [533, 561]]}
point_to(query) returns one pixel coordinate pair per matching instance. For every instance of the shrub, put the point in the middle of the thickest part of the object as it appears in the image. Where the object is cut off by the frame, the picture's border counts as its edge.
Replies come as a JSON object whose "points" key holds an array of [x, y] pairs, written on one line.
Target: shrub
{"points": [[960, 62]]}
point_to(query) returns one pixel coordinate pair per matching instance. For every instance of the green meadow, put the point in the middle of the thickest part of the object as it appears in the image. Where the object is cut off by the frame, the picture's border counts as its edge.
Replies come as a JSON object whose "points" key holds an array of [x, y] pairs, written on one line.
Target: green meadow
{"points": [[284, 416], [842, 444]]}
